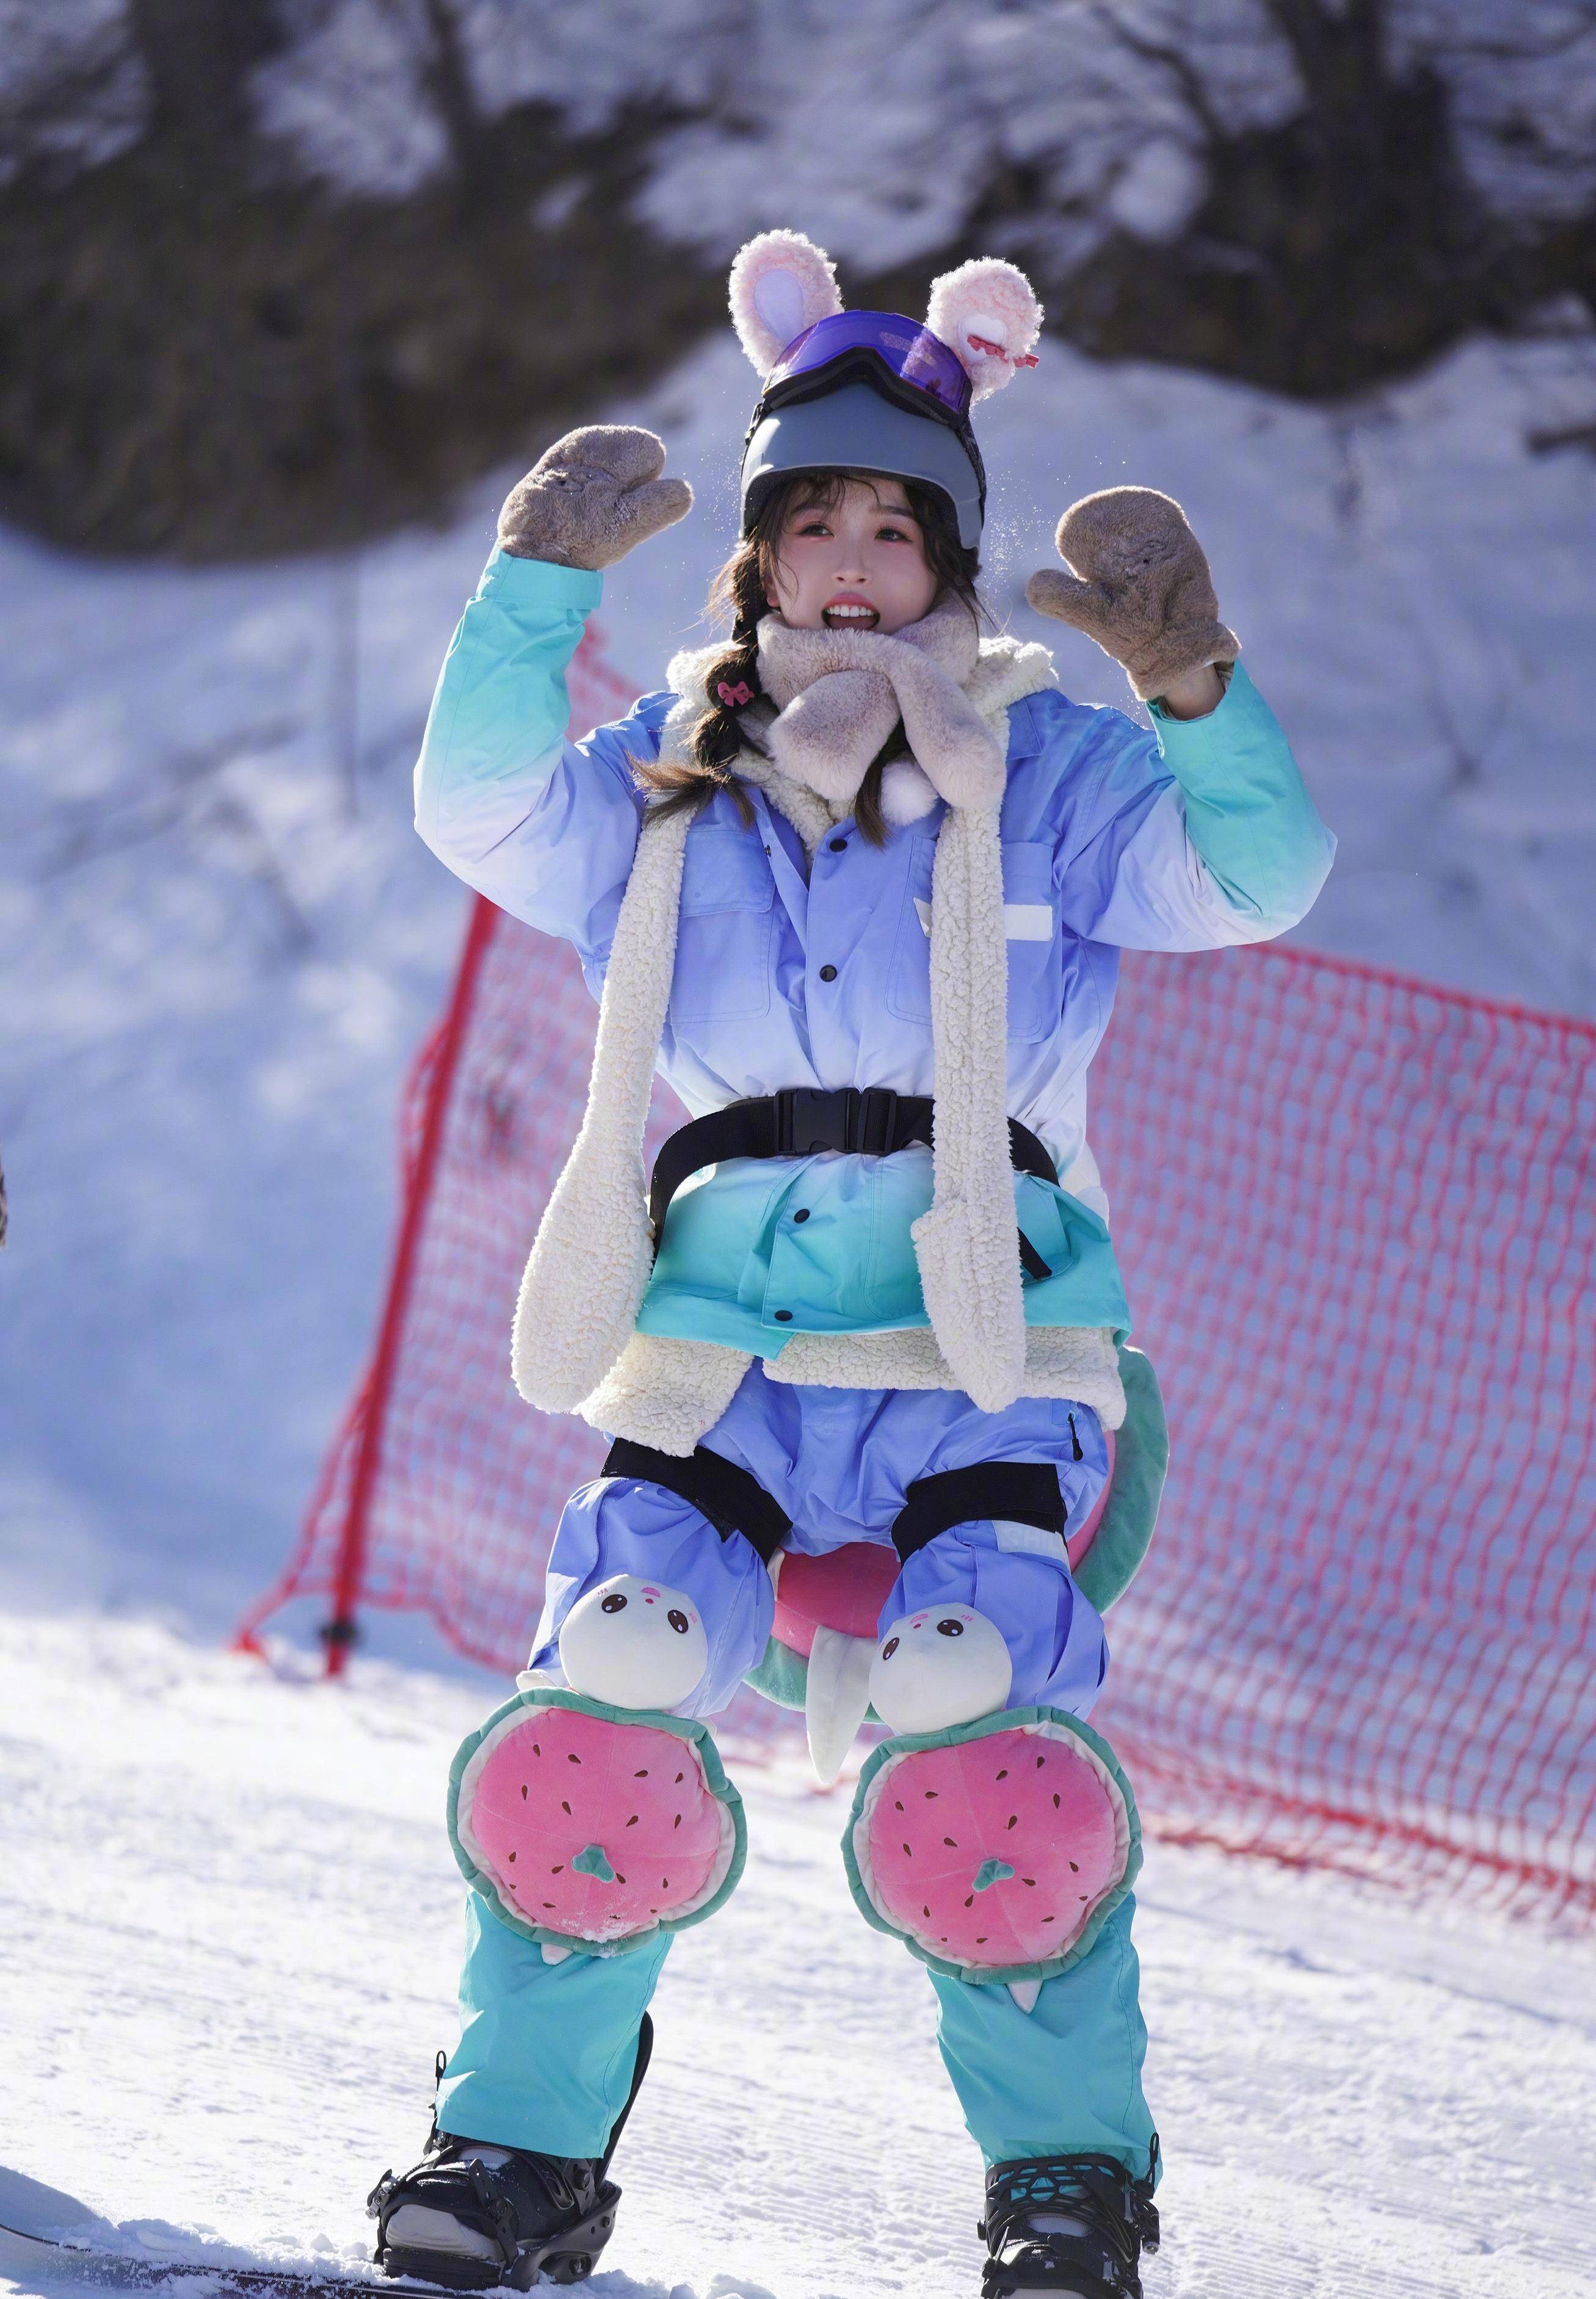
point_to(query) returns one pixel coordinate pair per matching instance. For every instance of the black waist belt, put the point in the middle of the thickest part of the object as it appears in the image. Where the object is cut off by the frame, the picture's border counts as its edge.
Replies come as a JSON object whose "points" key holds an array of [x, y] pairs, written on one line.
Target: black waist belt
{"points": [[873, 1121], [1025, 1492], [733, 1499]]}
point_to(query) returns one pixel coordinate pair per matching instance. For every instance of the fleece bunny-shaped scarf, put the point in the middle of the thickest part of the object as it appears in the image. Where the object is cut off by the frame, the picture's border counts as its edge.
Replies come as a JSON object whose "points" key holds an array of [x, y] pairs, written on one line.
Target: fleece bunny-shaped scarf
{"points": [[838, 696]]}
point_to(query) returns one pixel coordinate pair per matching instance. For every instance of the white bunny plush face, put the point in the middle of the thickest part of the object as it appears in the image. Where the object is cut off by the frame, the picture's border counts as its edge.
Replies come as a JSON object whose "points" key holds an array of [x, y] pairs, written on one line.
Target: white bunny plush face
{"points": [[986, 311]]}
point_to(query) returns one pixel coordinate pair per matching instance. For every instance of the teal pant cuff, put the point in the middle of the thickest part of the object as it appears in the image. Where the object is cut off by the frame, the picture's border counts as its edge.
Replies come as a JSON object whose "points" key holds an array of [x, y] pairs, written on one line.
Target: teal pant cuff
{"points": [[1064, 2079], [546, 2050]]}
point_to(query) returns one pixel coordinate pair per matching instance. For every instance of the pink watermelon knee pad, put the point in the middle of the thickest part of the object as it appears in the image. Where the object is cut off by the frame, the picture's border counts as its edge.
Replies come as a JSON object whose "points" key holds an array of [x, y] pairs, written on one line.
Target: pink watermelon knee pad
{"points": [[593, 1828], [996, 1850]]}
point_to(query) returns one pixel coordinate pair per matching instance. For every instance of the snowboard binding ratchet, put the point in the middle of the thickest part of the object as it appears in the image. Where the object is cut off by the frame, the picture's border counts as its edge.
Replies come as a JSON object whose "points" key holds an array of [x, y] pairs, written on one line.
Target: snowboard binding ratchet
{"points": [[476, 2216]]}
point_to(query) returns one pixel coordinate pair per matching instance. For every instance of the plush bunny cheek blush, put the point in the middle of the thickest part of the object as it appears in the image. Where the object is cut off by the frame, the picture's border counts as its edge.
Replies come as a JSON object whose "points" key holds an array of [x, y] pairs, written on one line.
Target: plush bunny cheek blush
{"points": [[633, 1644], [946, 1665]]}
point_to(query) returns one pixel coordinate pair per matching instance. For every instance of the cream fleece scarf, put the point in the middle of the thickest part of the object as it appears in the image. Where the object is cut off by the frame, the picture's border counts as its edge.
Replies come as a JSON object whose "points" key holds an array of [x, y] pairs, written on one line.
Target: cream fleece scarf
{"points": [[840, 693]]}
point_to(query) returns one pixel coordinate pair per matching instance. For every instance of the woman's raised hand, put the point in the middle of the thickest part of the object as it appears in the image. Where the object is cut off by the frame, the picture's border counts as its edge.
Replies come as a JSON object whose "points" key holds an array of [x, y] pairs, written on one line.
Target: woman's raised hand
{"points": [[593, 497], [1140, 588]]}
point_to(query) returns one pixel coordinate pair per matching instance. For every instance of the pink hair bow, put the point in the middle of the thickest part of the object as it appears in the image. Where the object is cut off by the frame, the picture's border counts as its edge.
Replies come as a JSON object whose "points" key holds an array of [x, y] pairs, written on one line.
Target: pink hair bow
{"points": [[735, 697]]}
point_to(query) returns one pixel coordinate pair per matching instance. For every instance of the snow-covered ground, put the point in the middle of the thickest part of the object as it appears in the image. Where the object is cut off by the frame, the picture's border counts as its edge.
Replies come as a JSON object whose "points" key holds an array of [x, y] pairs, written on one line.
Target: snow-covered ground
{"points": [[230, 1925], [221, 939]]}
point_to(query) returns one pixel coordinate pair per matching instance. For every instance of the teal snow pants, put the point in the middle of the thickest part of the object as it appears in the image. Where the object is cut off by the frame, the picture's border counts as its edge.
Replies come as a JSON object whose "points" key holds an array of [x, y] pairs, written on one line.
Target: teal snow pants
{"points": [[546, 2050]]}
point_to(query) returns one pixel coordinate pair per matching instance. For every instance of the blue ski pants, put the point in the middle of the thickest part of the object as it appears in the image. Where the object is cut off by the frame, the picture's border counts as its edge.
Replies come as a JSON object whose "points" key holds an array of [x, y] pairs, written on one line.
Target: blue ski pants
{"points": [[547, 2050]]}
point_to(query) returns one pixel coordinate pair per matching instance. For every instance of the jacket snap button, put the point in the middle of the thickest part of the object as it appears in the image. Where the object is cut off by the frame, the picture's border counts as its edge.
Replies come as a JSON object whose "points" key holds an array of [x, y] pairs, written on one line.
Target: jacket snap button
{"points": [[802, 1214], [784, 1316], [829, 973], [837, 845]]}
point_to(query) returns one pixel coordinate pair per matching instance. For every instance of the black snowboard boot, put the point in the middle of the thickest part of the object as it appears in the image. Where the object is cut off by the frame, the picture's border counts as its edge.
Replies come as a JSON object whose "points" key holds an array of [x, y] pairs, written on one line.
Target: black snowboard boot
{"points": [[1074, 2225], [473, 2214]]}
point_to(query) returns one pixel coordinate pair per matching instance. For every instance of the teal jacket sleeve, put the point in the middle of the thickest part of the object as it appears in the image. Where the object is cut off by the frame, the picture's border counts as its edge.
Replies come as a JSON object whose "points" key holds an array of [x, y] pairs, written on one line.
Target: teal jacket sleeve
{"points": [[1199, 834], [544, 828]]}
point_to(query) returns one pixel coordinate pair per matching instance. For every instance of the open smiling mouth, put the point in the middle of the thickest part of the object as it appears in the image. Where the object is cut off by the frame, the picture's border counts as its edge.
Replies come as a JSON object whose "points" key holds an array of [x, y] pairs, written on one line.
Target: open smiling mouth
{"points": [[850, 615]]}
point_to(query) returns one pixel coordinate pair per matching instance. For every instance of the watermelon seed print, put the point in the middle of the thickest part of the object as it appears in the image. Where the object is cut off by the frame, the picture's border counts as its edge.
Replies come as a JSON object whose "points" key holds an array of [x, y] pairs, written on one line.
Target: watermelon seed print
{"points": [[643, 1775], [563, 1806], [1004, 1774], [633, 1822], [1074, 1867], [948, 1839], [523, 1791], [512, 1859]]}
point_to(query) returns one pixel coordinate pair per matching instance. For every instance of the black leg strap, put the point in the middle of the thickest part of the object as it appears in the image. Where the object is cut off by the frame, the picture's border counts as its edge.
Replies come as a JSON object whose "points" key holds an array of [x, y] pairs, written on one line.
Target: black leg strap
{"points": [[1026, 1492], [733, 1499]]}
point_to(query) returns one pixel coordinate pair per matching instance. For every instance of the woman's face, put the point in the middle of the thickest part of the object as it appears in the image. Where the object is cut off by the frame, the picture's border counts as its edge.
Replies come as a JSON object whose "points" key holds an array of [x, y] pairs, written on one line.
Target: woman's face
{"points": [[859, 565]]}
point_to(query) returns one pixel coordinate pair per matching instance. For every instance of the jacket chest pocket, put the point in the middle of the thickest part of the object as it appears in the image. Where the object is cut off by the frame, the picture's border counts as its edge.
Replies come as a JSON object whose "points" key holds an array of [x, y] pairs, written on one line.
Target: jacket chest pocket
{"points": [[1031, 939], [723, 927], [909, 979]]}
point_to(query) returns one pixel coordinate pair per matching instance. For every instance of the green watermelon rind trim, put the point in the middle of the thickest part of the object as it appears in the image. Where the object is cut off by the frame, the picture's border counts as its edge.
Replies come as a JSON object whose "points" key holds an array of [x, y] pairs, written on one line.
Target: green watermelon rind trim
{"points": [[685, 1728], [1006, 1719]]}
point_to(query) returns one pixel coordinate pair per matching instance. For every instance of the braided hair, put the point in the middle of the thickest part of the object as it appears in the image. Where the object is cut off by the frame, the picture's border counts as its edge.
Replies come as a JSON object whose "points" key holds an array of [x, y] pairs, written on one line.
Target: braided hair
{"points": [[743, 587]]}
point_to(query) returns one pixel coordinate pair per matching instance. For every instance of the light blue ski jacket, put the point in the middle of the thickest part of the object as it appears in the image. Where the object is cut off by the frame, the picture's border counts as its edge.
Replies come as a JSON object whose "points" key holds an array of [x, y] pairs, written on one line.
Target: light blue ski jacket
{"points": [[1197, 834]]}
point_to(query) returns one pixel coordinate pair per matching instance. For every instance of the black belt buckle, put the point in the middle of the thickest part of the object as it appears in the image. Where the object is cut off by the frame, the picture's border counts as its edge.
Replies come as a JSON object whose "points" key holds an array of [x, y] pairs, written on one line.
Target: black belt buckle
{"points": [[811, 1118]]}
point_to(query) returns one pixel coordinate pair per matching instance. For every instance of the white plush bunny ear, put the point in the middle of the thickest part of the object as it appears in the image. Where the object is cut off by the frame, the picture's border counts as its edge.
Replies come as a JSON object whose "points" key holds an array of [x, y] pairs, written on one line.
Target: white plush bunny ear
{"points": [[988, 314], [780, 284]]}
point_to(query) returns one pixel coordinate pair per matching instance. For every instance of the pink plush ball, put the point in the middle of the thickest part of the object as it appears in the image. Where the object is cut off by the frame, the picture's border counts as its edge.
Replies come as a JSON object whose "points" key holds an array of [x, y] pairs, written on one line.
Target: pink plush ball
{"points": [[593, 1829], [996, 1850]]}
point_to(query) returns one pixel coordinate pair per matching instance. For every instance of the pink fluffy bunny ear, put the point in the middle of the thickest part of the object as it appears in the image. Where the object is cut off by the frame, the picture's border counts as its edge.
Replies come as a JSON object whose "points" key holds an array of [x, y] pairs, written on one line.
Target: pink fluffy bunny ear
{"points": [[780, 284], [988, 314]]}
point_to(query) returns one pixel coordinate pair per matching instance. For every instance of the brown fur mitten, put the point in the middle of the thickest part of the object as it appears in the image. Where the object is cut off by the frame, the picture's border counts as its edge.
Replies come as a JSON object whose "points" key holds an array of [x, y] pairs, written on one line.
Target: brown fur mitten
{"points": [[1141, 586], [595, 495]]}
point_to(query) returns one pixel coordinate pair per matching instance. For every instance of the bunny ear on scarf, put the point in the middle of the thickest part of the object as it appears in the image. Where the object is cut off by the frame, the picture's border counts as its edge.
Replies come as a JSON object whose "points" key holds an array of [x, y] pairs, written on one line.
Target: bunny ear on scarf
{"points": [[987, 313], [780, 284]]}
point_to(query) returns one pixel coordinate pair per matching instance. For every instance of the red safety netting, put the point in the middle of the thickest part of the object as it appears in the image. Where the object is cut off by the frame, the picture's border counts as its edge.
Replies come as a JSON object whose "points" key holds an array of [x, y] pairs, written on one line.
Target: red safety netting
{"points": [[1358, 1220]]}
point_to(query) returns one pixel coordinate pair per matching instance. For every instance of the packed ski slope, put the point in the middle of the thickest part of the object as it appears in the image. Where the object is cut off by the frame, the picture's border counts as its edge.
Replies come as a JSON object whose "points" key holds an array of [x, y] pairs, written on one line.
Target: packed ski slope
{"points": [[229, 1928]]}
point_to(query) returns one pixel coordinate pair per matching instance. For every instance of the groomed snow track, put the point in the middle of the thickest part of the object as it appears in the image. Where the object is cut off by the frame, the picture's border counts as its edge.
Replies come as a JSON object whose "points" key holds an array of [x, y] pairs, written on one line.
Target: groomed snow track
{"points": [[230, 1925]]}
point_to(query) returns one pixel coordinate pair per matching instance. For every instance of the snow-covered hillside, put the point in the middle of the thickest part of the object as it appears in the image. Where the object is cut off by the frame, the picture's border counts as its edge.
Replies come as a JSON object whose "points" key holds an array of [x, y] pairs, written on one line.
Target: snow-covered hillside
{"points": [[1357, 2102], [221, 939]]}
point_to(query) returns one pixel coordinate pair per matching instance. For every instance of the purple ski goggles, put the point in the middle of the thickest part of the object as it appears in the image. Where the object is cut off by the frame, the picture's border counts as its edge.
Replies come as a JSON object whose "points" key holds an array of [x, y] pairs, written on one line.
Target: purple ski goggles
{"points": [[910, 354]]}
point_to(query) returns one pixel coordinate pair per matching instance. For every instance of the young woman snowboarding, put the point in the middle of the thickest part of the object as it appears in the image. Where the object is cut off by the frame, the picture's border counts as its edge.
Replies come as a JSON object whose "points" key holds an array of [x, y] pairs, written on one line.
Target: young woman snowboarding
{"points": [[855, 882]]}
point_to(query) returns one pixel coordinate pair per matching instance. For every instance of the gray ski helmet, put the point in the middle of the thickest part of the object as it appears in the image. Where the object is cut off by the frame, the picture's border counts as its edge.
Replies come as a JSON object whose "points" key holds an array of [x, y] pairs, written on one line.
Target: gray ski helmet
{"points": [[855, 427], [874, 391]]}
